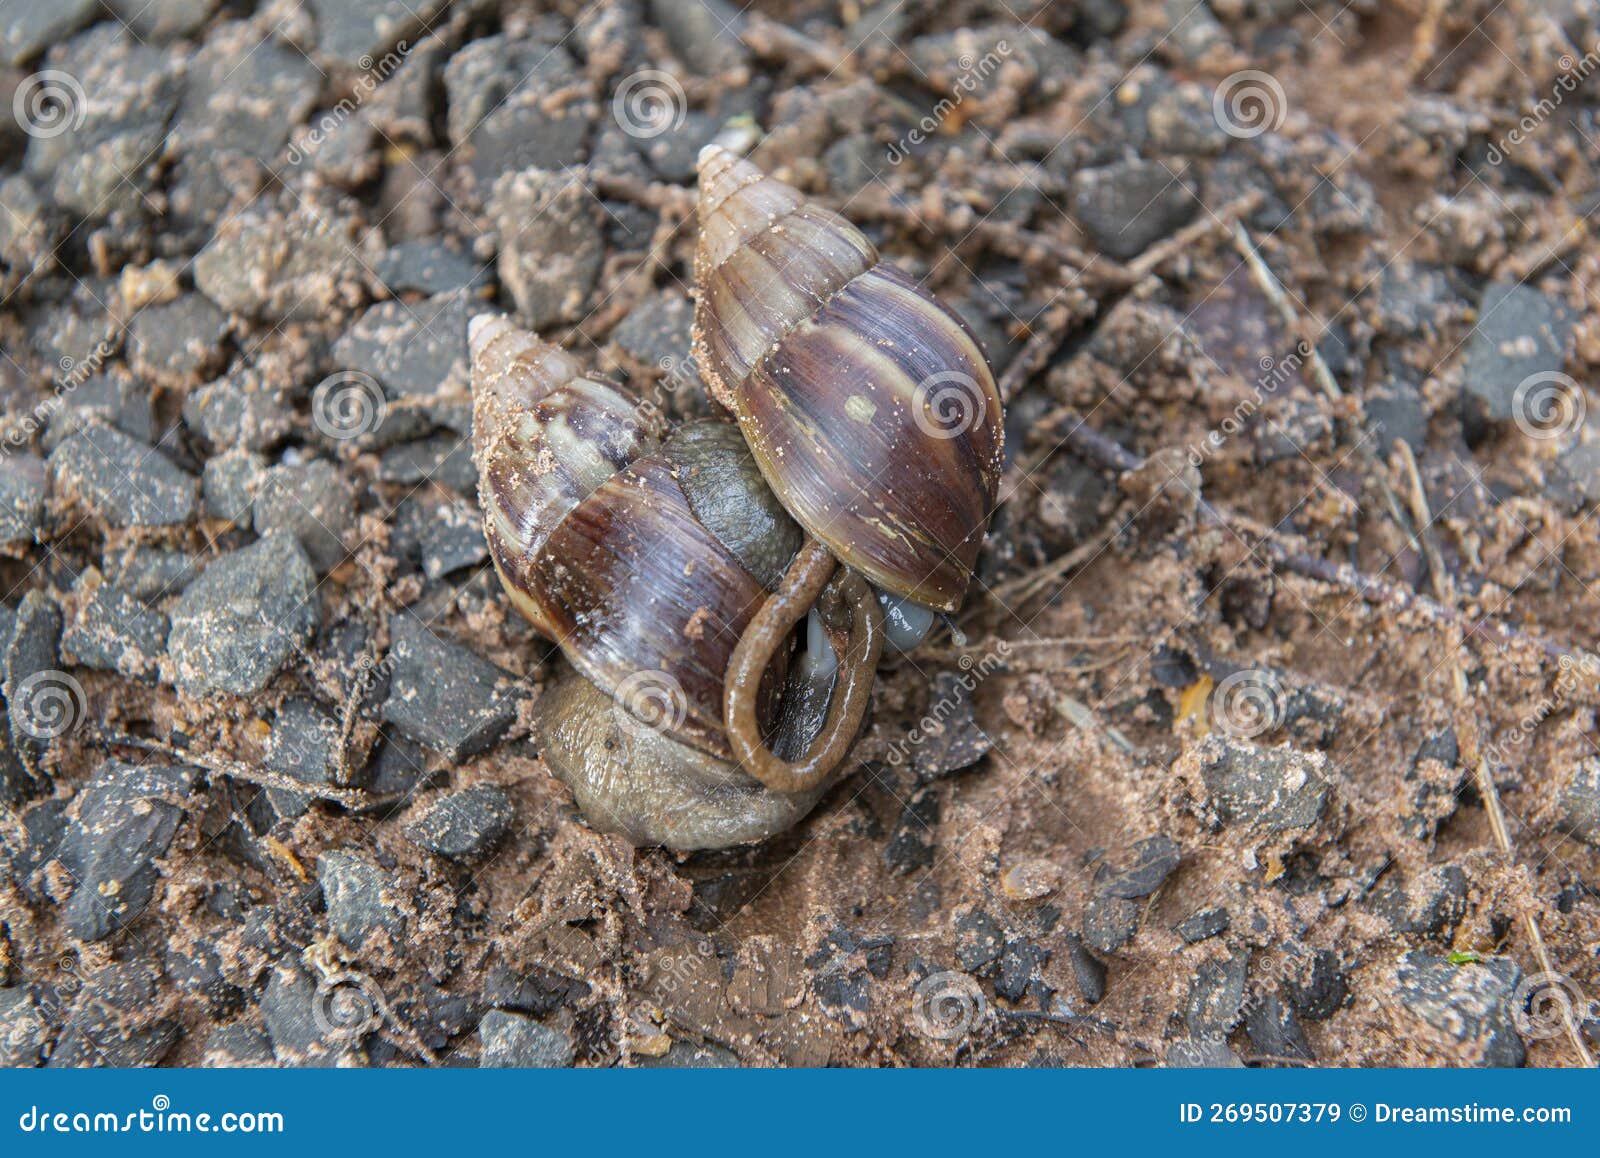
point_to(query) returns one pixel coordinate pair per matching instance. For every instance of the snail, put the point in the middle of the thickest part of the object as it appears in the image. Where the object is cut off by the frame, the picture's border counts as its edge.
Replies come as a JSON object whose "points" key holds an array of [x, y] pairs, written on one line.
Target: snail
{"points": [[647, 556], [867, 403]]}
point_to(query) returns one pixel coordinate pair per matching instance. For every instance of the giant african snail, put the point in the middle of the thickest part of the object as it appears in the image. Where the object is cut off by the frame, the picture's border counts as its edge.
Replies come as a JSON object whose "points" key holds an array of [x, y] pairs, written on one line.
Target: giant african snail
{"points": [[646, 555], [867, 403]]}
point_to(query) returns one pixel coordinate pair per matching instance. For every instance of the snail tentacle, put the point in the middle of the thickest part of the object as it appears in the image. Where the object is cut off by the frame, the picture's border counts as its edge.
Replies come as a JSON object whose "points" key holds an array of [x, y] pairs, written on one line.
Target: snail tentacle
{"points": [[806, 581]]}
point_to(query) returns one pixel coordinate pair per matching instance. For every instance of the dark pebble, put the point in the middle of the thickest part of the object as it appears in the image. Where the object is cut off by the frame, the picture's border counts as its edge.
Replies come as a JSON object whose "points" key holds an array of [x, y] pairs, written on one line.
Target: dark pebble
{"points": [[1580, 802], [444, 696], [1275, 1031], [353, 889], [111, 630], [551, 245], [1200, 925], [238, 1046], [428, 267], [1276, 789], [121, 481], [1520, 332], [1150, 863], [1216, 996], [1469, 1003], [235, 626], [511, 1040], [312, 501], [1088, 969], [948, 737], [1109, 923], [113, 1023], [22, 491], [1128, 206], [1323, 990], [979, 941], [464, 824], [126, 819]]}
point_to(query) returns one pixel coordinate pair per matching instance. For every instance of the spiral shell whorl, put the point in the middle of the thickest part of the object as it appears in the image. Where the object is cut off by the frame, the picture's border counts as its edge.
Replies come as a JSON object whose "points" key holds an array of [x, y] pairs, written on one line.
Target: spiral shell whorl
{"points": [[867, 403]]}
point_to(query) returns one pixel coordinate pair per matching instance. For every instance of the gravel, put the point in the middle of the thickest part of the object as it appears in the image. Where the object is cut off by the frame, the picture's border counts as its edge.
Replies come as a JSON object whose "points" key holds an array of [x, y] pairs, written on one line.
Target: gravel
{"points": [[111, 630], [313, 501], [443, 696], [464, 824], [121, 481], [1580, 802], [551, 245], [22, 493], [235, 627], [126, 819], [1469, 1004], [511, 1040], [353, 887], [1127, 207], [1520, 333], [1275, 789]]}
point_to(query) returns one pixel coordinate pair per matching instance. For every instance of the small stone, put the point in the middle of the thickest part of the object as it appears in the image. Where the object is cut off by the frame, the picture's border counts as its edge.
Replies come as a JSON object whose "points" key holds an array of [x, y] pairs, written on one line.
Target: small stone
{"points": [[114, 398], [1203, 924], [1324, 989], [243, 411], [304, 746], [1109, 923], [401, 769], [428, 267], [444, 537], [442, 458], [948, 738], [1469, 1004], [125, 95], [464, 824], [704, 34], [312, 501], [126, 818], [237, 1047], [1151, 862], [551, 244], [1580, 802], [1088, 969], [177, 343], [120, 481], [979, 941], [23, 1029], [115, 1021], [163, 19], [413, 349], [1430, 905], [658, 332], [1030, 880], [111, 630], [22, 492], [1520, 333], [41, 700], [1128, 206], [235, 627], [511, 1040], [442, 695], [243, 92], [1275, 1032], [289, 1007], [1276, 789], [28, 27], [230, 483], [153, 573], [353, 888], [516, 103], [911, 845], [1216, 997], [1202, 1053], [293, 260], [1018, 974]]}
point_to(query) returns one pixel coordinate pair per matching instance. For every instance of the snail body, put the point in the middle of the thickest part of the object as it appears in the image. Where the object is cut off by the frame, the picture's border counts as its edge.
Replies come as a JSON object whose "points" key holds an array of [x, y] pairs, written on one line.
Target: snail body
{"points": [[868, 404], [645, 555]]}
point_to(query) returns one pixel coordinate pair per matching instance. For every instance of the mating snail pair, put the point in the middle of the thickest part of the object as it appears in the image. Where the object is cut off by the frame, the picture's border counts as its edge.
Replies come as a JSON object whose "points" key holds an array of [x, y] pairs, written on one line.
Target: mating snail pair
{"points": [[673, 567]]}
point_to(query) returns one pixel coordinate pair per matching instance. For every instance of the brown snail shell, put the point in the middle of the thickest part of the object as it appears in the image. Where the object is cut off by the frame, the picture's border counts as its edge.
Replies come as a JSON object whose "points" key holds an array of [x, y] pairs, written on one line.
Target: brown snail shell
{"points": [[593, 536], [868, 403], [644, 557]]}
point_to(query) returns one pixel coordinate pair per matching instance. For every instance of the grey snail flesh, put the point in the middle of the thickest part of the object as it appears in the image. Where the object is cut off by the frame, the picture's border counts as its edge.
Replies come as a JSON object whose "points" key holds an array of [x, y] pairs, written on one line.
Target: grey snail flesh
{"points": [[640, 557]]}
